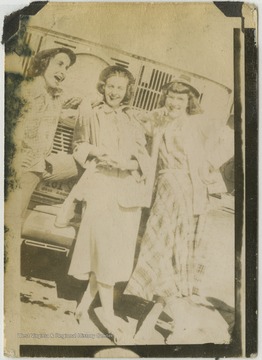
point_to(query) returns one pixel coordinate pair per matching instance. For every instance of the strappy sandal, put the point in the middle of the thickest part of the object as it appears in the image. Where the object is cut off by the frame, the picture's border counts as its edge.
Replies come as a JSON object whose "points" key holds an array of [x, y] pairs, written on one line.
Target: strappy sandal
{"points": [[113, 332]]}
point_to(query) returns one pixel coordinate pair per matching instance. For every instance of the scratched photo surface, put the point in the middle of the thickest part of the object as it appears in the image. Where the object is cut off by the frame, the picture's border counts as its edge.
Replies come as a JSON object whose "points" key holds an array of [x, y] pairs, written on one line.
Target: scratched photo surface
{"points": [[120, 193]]}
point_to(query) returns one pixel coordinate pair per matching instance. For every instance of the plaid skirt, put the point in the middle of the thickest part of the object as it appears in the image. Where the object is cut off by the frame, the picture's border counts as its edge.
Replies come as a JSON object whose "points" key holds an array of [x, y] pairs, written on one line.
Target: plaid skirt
{"points": [[172, 255]]}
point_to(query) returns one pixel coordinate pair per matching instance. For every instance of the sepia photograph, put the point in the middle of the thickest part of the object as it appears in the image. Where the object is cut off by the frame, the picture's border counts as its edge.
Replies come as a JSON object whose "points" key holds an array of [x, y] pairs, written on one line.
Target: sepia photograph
{"points": [[127, 141]]}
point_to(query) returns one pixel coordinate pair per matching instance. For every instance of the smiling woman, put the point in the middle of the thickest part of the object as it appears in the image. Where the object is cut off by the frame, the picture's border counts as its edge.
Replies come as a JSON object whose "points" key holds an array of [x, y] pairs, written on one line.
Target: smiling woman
{"points": [[116, 83], [110, 145], [38, 122], [171, 262], [55, 72], [115, 89]]}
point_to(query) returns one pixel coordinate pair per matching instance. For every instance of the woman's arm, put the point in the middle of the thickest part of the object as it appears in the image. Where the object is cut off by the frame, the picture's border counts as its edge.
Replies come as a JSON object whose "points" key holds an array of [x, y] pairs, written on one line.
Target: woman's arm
{"points": [[140, 161], [83, 147], [221, 147]]}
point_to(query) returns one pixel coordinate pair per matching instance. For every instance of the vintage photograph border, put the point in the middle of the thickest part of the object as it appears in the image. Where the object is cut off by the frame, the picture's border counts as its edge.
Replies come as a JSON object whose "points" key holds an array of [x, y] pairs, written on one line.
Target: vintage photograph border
{"points": [[246, 199]]}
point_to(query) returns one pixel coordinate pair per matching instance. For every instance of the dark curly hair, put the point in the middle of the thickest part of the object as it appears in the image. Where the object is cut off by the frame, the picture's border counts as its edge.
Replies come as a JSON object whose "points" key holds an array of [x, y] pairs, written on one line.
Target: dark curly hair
{"points": [[193, 106], [41, 60], [119, 71]]}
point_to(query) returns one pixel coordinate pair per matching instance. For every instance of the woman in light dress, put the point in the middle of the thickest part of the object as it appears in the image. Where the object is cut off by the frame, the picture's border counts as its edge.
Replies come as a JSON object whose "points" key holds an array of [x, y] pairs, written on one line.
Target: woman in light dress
{"points": [[111, 145]]}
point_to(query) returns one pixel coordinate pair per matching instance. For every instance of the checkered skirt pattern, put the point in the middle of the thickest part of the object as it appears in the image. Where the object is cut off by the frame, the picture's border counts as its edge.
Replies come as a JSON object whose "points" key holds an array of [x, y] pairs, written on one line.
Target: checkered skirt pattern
{"points": [[172, 255]]}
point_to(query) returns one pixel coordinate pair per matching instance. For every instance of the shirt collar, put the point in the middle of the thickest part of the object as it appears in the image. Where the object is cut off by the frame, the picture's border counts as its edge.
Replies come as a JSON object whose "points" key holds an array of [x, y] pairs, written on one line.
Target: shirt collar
{"points": [[109, 110]]}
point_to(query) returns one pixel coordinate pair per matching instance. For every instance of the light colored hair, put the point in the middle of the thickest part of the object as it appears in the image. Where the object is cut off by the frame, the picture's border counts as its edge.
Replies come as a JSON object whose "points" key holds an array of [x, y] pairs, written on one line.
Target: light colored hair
{"points": [[117, 71], [193, 106]]}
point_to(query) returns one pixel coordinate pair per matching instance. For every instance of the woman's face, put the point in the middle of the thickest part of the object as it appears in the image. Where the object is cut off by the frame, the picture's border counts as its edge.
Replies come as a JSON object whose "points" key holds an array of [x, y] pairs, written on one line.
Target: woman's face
{"points": [[176, 104], [115, 90], [56, 70]]}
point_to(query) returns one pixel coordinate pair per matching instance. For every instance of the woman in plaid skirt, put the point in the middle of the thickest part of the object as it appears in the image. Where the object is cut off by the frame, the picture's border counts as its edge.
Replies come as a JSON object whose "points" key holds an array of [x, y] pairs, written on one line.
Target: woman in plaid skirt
{"points": [[170, 264]]}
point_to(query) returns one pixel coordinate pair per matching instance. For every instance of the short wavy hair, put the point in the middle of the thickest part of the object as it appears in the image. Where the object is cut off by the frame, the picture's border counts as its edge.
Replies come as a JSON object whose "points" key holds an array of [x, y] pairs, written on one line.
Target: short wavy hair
{"points": [[117, 71], [41, 60], [193, 106]]}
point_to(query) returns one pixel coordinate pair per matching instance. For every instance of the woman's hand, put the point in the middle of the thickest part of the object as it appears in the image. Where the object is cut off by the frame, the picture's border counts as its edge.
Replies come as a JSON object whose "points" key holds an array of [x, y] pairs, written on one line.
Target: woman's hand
{"points": [[117, 162], [72, 103], [98, 152]]}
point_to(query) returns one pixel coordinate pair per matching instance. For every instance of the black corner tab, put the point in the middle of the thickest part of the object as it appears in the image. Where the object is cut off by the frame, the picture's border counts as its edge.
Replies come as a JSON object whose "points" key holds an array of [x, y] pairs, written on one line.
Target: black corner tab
{"points": [[230, 8], [11, 22]]}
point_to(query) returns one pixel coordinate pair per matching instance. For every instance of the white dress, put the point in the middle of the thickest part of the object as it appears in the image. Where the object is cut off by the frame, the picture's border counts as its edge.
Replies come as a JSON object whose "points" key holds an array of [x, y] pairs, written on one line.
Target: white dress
{"points": [[106, 241]]}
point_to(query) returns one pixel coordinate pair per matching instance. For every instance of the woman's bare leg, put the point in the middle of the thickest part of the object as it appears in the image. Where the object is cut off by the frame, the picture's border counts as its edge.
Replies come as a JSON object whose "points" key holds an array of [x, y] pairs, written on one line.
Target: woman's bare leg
{"points": [[87, 298], [108, 318], [106, 293]]}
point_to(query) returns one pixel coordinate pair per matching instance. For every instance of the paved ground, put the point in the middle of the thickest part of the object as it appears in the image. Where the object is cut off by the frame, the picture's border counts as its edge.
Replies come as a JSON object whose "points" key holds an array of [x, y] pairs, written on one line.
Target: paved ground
{"points": [[48, 319]]}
